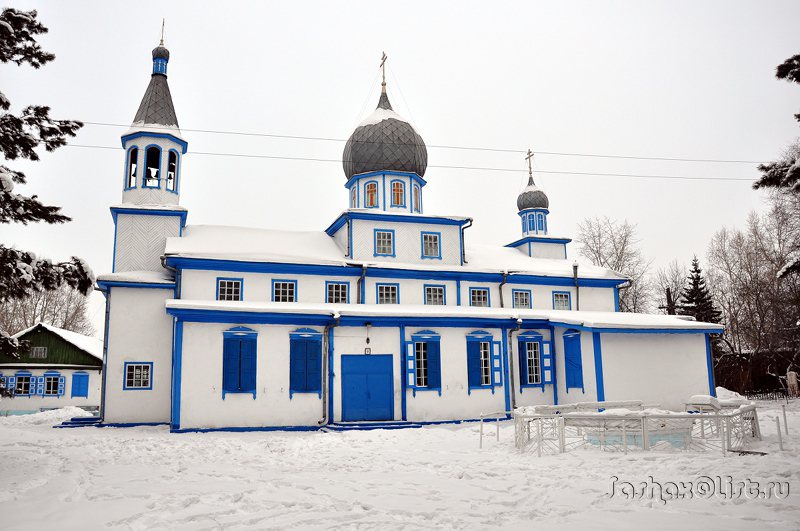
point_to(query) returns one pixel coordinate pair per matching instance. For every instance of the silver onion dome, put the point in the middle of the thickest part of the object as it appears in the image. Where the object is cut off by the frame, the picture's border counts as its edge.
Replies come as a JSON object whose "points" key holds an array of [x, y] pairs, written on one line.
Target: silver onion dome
{"points": [[532, 197]]}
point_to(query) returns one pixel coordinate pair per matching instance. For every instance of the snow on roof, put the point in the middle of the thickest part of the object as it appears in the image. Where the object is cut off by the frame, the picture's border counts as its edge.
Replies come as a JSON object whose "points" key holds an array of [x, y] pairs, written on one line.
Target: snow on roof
{"points": [[150, 206], [568, 317], [379, 115], [150, 277], [88, 344], [313, 247]]}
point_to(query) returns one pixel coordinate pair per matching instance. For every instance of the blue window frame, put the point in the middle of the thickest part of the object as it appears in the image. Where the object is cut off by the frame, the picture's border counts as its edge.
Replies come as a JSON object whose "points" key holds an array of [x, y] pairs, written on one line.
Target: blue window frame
{"points": [[138, 376], [483, 362], [284, 290], [354, 196], [23, 383], [239, 347], [230, 289], [435, 294], [371, 194], [305, 362], [398, 192], [521, 298], [131, 168], [80, 385], [480, 297], [151, 177], [384, 242], [430, 245], [540, 221], [573, 362], [54, 384], [337, 292], [173, 171], [424, 362], [562, 300], [531, 223], [417, 199], [535, 361], [387, 293]]}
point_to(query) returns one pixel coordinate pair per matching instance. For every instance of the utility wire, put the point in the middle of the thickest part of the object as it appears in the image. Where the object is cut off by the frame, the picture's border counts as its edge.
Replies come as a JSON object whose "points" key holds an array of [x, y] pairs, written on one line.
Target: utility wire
{"points": [[440, 146], [338, 161]]}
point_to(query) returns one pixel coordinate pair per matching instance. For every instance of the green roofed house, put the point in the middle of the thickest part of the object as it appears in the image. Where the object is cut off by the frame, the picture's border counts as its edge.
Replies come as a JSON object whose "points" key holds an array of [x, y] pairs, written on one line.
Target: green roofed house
{"points": [[61, 369]]}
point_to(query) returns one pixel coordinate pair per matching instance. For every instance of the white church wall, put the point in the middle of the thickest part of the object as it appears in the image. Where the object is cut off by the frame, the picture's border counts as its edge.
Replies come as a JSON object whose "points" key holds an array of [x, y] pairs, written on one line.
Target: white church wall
{"points": [[139, 330], [407, 242], [33, 404], [341, 238], [664, 369], [202, 405], [146, 195], [457, 402], [548, 250], [141, 239], [589, 391]]}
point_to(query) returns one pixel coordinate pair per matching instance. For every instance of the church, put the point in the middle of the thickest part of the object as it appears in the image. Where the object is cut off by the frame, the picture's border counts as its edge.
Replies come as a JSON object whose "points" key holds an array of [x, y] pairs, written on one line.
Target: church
{"points": [[388, 316]]}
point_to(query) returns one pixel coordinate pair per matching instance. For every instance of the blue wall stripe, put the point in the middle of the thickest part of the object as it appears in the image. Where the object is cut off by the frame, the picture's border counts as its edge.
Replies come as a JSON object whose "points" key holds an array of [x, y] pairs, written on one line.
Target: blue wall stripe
{"points": [[177, 358], [598, 367], [712, 390]]}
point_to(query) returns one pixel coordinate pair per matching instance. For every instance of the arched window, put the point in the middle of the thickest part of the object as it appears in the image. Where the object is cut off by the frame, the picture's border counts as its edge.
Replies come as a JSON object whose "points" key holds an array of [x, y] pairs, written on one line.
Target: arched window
{"points": [[172, 171], [152, 167], [416, 199], [524, 221], [353, 196], [133, 164], [531, 223], [540, 223], [398, 194], [573, 364], [371, 194]]}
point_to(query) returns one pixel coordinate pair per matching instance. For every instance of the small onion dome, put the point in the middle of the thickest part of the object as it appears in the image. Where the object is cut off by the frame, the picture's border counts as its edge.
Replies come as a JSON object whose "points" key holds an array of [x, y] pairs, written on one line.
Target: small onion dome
{"points": [[384, 141], [532, 197], [160, 52]]}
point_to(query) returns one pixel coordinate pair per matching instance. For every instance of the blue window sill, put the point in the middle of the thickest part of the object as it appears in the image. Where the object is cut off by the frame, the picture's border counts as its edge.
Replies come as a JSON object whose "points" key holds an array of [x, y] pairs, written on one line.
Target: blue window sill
{"points": [[293, 392], [387, 255], [423, 389], [431, 257], [138, 388], [532, 386], [238, 393], [480, 387], [576, 387]]}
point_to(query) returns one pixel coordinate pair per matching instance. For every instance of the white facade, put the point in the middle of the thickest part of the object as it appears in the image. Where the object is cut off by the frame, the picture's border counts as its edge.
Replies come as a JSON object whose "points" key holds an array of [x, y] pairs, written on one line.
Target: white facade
{"points": [[36, 403]]}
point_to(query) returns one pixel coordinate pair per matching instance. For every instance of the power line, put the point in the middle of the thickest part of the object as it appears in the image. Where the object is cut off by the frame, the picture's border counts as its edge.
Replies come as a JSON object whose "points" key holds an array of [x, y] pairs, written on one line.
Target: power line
{"points": [[441, 146], [338, 161]]}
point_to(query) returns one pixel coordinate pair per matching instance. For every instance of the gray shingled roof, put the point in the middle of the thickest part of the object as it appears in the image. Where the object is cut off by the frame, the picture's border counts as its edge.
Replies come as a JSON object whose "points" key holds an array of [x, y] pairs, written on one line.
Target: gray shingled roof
{"points": [[532, 197], [390, 144], [156, 106]]}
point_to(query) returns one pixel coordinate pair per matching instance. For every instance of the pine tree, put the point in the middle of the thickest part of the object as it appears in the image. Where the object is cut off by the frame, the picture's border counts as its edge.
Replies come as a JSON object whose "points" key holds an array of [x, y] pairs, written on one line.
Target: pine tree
{"points": [[23, 272], [696, 300]]}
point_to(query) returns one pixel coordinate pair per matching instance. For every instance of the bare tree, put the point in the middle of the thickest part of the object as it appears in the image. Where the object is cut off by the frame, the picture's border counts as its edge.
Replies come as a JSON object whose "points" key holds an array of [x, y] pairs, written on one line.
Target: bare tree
{"points": [[668, 286], [614, 245], [64, 307]]}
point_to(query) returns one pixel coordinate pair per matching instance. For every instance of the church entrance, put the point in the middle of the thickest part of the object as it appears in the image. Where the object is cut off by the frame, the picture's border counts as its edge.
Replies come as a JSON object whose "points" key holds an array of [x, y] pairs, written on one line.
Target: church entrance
{"points": [[367, 387]]}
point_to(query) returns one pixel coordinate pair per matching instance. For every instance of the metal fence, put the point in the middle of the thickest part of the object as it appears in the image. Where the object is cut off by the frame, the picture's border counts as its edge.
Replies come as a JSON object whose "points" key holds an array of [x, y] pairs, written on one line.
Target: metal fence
{"points": [[552, 433], [769, 394]]}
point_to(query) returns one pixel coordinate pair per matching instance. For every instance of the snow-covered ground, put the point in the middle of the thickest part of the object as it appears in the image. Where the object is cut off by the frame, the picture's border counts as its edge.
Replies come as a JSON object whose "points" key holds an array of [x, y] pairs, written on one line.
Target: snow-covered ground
{"points": [[435, 477]]}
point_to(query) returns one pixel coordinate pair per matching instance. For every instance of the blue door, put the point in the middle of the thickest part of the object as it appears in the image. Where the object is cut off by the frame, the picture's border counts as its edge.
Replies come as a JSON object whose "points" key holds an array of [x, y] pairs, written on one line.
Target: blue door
{"points": [[367, 387]]}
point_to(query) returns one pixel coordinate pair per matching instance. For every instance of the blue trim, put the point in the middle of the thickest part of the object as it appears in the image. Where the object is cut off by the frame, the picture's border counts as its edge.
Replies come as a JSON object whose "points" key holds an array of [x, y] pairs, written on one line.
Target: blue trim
{"points": [[488, 296], [377, 201], [160, 65], [330, 373], [239, 331], [290, 281], [375, 243], [125, 186], [458, 292], [505, 362], [384, 192], [539, 239], [438, 245], [712, 390], [337, 282], [241, 286], [530, 298], [130, 424], [261, 267], [149, 212], [182, 143], [177, 171], [395, 284], [105, 285], [394, 218], [598, 367], [569, 298], [391, 193], [160, 166], [425, 293], [616, 298], [244, 429], [365, 175], [305, 333], [125, 376], [177, 371], [403, 373]]}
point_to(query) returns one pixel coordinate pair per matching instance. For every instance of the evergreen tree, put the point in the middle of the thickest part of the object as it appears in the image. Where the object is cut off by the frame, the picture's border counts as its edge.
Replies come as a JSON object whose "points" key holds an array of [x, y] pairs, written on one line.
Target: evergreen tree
{"points": [[21, 134], [696, 300]]}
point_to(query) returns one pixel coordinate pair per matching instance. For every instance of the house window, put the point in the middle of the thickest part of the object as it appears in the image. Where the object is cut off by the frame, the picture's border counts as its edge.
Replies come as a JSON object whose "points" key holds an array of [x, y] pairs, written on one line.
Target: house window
{"points": [[430, 245], [23, 386], [421, 363], [51, 385], [133, 164], [387, 294], [424, 362], [39, 353], [305, 363], [138, 376], [533, 357], [531, 223], [172, 171], [371, 194], [384, 242], [152, 167], [353, 196], [284, 290], [479, 297], [417, 199], [573, 364], [239, 361], [486, 363], [398, 194], [561, 300], [337, 292], [435, 295], [229, 289], [80, 385], [522, 298]]}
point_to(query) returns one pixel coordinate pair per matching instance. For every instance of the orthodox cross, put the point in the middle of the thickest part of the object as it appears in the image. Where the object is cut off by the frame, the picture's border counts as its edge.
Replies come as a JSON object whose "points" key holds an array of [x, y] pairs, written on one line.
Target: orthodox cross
{"points": [[383, 67], [529, 158]]}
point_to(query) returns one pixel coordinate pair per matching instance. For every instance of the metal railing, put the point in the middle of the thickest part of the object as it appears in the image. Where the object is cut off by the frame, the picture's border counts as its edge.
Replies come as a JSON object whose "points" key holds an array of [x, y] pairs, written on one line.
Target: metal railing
{"points": [[551, 433], [497, 416]]}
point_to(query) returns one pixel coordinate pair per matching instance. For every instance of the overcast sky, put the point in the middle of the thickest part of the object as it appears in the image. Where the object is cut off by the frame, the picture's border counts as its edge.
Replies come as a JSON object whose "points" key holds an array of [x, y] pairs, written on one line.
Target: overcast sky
{"points": [[654, 79]]}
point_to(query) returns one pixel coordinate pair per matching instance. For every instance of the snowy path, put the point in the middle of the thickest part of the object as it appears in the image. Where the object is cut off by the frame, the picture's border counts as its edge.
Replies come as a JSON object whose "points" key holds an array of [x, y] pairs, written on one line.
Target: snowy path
{"points": [[435, 477]]}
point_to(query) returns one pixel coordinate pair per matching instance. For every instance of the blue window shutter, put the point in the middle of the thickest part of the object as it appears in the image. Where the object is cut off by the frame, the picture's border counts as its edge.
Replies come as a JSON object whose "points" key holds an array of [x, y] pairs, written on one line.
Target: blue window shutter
{"points": [[298, 360], [473, 363], [573, 367], [497, 364], [80, 385], [248, 375], [411, 361], [39, 390], [314, 365], [434, 365], [230, 365], [523, 362], [547, 363], [61, 385]]}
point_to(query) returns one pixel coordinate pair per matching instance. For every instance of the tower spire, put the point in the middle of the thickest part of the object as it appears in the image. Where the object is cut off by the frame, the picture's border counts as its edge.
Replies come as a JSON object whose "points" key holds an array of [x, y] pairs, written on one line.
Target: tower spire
{"points": [[383, 71], [529, 158], [162, 32]]}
